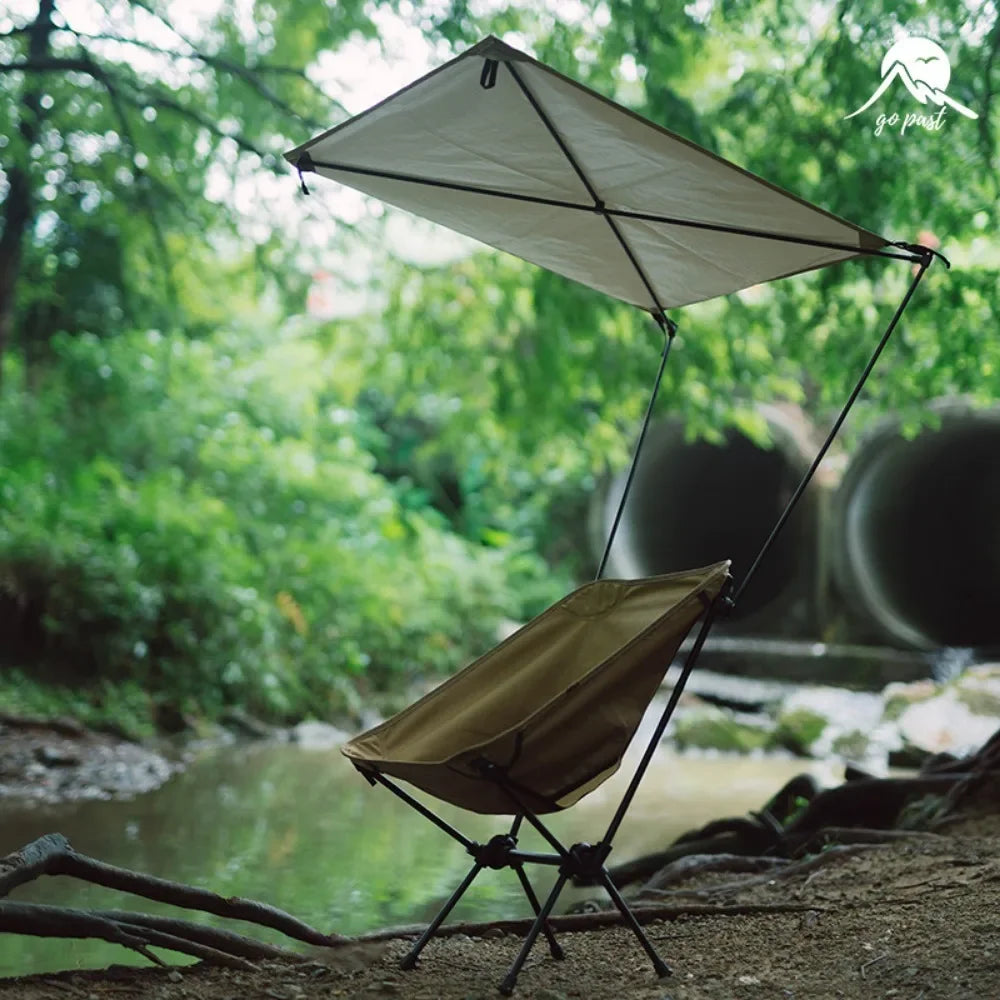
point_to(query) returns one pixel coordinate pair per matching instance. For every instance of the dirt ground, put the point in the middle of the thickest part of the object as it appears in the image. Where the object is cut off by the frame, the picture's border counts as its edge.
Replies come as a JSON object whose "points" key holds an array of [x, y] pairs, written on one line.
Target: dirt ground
{"points": [[918, 919]]}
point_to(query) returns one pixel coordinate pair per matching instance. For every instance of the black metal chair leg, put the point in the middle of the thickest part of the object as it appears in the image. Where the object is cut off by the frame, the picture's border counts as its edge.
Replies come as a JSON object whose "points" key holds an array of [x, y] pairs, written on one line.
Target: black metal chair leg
{"points": [[555, 949], [411, 959], [662, 969], [510, 980]]}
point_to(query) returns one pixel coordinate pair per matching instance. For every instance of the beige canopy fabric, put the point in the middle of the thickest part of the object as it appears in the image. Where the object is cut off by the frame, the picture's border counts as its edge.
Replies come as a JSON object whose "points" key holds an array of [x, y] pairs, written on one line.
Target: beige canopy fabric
{"points": [[500, 147], [555, 705]]}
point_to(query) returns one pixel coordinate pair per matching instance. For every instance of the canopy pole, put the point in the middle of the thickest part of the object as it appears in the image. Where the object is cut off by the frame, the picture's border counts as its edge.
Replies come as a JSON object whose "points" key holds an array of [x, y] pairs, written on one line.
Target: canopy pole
{"points": [[927, 255], [599, 206], [711, 612], [669, 328]]}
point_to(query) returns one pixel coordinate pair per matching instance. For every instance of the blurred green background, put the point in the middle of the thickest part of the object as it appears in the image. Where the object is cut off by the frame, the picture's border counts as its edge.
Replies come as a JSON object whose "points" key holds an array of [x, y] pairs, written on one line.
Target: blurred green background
{"points": [[285, 453]]}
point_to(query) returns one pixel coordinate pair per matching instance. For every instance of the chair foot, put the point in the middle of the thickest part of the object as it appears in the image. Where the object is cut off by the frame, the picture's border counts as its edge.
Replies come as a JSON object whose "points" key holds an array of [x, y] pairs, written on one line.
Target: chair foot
{"points": [[409, 962], [662, 970], [660, 967], [507, 986], [555, 949]]}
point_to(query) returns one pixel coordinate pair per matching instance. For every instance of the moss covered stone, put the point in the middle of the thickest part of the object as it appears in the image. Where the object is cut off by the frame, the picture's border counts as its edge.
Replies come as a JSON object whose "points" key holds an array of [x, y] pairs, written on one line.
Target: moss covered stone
{"points": [[798, 729], [852, 744], [711, 728]]}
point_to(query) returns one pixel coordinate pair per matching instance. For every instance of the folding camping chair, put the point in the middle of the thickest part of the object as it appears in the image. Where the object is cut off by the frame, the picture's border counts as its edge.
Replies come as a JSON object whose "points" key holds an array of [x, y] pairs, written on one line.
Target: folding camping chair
{"points": [[496, 145]]}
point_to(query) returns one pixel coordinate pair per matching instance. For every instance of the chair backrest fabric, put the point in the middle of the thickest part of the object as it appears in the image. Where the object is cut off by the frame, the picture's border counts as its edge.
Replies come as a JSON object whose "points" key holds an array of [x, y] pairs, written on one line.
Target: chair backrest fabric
{"points": [[555, 705]]}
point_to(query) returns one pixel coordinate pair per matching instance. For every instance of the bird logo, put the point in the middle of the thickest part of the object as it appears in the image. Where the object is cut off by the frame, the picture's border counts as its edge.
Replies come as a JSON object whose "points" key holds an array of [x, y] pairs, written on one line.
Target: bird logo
{"points": [[923, 67]]}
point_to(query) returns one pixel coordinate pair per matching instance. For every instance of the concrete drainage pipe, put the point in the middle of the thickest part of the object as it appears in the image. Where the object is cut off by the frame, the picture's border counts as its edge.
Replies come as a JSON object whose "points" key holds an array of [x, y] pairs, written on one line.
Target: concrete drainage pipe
{"points": [[694, 502], [916, 531]]}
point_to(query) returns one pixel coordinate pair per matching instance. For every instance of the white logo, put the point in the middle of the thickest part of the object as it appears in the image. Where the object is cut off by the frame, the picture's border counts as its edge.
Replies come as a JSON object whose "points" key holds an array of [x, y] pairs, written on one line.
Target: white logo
{"points": [[924, 69]]}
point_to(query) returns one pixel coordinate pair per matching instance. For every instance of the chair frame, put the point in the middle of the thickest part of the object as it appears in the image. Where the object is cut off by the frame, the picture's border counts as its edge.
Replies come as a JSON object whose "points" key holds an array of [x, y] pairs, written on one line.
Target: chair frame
{"points": [[583, 860]]}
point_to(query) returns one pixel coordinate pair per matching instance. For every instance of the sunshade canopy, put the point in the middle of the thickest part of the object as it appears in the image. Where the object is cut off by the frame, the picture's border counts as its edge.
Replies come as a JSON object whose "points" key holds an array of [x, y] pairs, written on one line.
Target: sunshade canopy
{"points": [[555, 705], [500, 147]]}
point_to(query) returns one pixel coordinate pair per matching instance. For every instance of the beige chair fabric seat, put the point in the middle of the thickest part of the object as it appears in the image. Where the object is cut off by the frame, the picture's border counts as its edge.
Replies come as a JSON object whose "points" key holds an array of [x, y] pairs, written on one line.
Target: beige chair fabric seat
{"points": [[555, 705]]}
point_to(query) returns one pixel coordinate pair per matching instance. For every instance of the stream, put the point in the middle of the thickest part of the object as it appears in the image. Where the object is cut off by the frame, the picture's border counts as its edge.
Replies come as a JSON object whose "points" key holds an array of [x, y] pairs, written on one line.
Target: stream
{"points": [[300, 829]]}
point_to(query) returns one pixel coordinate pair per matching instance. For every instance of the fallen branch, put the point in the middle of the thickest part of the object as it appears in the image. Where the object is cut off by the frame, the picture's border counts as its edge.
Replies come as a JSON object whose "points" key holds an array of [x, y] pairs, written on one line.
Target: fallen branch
{"points": [[38, 920], [644, 868], [820, 841], [700, 864], [53, 855], [212, 937]]}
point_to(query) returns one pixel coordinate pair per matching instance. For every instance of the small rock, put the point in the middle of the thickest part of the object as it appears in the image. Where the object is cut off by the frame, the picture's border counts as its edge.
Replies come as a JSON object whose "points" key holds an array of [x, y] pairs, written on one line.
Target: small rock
{"points": [[318, 736], [819, 721], [53, 757], [493, 932], [945, 723], [174, 976]]}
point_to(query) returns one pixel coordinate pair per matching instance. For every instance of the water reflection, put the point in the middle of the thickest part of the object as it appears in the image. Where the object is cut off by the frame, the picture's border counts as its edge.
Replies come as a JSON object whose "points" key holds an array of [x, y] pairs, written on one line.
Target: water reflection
{"points": [[301, 830]]}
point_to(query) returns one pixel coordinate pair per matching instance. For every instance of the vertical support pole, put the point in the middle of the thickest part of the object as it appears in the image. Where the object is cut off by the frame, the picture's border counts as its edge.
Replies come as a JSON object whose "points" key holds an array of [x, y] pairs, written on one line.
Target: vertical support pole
{"points": [[927, 256], [668, 711], [669, 328]]}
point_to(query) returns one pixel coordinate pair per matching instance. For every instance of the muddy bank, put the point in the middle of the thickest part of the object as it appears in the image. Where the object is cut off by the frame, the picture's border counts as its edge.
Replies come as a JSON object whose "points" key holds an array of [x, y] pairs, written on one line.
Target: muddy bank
{"points": [[45, 761]]}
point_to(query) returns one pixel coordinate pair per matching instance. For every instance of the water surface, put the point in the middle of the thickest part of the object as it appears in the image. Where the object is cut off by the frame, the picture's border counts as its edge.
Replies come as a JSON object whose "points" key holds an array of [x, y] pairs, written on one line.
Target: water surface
{"points": [[300, 829]]}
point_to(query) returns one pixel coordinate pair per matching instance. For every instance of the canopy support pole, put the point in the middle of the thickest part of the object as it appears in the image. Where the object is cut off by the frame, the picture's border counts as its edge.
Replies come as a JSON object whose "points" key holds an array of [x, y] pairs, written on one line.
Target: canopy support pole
{"points": [[927, 255], [654, 741], [669, 328]]}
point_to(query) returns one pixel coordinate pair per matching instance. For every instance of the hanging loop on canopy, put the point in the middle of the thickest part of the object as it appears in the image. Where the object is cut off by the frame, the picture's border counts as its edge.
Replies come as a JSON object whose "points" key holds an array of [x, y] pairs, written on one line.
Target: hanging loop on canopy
{"points": [[924, 252], [303, 164], [488, 78]]}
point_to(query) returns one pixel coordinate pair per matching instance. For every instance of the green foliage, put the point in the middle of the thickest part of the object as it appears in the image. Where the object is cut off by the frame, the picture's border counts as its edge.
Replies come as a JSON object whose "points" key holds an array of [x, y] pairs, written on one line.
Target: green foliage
{"points": [[129, 127], [124, 707], [200, 518], [797, 730], [767, 85], [283, 520]]}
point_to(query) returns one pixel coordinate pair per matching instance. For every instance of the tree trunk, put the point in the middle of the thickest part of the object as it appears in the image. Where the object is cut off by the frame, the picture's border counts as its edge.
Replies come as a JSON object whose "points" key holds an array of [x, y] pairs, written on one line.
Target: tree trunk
{"points": [[19, 208]]}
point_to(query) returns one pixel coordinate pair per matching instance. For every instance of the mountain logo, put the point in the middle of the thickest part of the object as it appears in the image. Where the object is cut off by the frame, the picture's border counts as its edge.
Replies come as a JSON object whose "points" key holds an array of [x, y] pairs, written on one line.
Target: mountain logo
{"points": [[925, 71]]}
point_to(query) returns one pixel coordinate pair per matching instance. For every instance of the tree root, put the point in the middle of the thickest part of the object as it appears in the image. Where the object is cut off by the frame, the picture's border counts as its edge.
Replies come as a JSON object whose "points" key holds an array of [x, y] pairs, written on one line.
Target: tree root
{"points": [[700, 864], [786, 870], [53, 855]]}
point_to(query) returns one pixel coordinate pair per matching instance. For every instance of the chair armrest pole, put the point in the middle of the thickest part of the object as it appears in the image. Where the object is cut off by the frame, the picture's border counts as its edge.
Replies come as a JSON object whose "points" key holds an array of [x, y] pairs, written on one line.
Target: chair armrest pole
{"points": [[469, 845]]}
